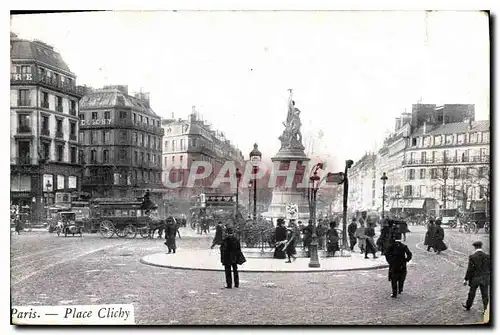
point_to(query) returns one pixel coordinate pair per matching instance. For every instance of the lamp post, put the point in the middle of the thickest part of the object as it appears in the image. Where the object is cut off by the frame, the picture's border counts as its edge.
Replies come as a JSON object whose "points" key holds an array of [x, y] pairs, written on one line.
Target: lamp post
{"points": [[348, 164], [384, 180], [255, 158], [48, 186], [250, 184], [313, 190], [238, 179]]}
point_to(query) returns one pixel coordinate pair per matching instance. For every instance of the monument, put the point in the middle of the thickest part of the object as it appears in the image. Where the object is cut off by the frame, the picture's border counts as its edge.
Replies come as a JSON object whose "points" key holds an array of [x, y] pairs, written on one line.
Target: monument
{"points": [[292, 150]]}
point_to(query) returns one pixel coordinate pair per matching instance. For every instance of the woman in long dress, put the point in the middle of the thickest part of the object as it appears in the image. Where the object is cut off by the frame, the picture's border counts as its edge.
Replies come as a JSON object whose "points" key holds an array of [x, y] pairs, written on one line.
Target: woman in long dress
{"points": [[290, 244], [332, 239], [280, 237]]}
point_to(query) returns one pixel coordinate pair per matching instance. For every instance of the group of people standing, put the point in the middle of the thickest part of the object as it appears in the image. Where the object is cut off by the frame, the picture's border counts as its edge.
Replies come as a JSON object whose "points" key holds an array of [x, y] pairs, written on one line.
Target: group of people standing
{"points": [[434, 237]]}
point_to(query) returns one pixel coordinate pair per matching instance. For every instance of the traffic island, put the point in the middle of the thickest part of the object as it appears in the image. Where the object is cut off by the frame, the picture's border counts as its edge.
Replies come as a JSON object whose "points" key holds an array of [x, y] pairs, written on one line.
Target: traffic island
{"points": [[209, 260]]}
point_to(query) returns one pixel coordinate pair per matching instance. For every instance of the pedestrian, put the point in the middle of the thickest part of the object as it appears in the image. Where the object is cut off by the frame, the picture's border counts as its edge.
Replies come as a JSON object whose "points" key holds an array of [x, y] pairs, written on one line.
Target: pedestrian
{"points": [[397, 255], [370, 243], [18, 225], [332, 245], [230, 256], [478, 275], [321, 233], [280, 239], [171, 231], [307, 240], [385, 236], [439, 244], [360, 235], [290, 243], [218, 235], [351, 230], [429, 235]]}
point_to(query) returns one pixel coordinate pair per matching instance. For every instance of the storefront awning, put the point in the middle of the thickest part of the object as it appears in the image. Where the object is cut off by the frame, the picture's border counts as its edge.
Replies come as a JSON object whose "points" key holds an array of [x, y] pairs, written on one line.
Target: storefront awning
{"points": [[412, 203]]}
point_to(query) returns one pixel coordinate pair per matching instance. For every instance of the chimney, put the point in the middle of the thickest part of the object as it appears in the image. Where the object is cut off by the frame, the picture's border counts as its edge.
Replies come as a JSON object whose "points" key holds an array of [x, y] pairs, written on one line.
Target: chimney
{"points": [[468, 121], [424, 131]]}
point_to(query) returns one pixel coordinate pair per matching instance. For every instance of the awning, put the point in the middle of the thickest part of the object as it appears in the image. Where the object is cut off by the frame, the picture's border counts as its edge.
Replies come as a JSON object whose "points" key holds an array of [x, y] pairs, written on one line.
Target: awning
{"points": [[412, 203]]}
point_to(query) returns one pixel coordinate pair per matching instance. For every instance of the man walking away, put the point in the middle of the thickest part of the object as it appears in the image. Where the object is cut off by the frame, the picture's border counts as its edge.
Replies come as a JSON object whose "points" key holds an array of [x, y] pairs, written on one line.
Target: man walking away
{"points": [[370, 243], [230, 256], [478, 275], [429, 235], [397, 255], [439, 244], [351, 230], [360, 235]]}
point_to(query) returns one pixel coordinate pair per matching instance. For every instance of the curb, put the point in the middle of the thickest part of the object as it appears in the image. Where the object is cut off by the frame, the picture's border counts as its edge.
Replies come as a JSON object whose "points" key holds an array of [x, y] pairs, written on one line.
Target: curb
{"points": [[376, 267]]}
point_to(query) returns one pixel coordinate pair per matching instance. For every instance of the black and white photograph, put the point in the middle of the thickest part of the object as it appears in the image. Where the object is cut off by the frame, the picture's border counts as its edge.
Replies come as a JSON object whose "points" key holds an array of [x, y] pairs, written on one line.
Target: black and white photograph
{"points": [[250, 167]]}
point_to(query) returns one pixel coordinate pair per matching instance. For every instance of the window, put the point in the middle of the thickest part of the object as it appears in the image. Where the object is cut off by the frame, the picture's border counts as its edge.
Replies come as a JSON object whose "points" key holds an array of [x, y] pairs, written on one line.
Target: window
{"points": [[148, 157], [461, 138], [469, 172], [165, 160], [154, 143], [411, 174], [427, 141], [422, 173], [423, 157], [123, 115], [72, 109], [473, 137], [72, 130], [24, 98], [72, 155], [46, 150], [423, 191], [81, 157], [449, 139], [59, 128], [134, 117], [106, 136], [105, 156], [173, 158], [82, 116], [107, 115], [140, 118], [154, 158], [486, 137], [93, 137], [45, 100], [60, 152], [146, 120], [434, 154], [481, 172], [141, 140], [437, 140], [166, 145], [59, 104], [142, 157], [173, 145], [408, 191], [123, 136], [94, 115], [136, 156], [122, 154], [433, 173], [148, 140], [93, 157], [23, 123], [456, 173], [23, 151], [414, 142]]}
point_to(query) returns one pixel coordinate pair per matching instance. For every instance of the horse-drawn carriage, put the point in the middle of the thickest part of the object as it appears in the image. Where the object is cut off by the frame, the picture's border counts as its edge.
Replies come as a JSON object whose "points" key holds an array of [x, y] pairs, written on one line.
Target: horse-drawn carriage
{"points": [[67, 224], [123, 218]]}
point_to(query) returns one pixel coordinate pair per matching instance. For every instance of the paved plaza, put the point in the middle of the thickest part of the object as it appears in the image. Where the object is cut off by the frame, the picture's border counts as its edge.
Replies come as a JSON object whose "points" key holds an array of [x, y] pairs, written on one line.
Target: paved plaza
{"points": [[92, 270]]}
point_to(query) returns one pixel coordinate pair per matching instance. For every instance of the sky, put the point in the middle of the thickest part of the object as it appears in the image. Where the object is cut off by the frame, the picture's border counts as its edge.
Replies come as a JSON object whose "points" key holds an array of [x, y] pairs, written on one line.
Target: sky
{"points": [[351, 72]]}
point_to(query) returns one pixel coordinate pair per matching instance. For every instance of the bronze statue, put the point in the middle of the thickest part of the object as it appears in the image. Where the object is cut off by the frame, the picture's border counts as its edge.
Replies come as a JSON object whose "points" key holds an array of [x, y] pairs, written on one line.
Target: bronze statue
{"points": [[292, 137]]}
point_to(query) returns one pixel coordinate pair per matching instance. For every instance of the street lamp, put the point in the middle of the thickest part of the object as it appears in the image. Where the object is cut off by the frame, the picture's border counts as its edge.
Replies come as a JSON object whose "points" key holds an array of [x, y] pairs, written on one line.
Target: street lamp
{"points": [[255, 158], [238, 179], [313, 190], [48, 187], [384, 180], [250, 184]]}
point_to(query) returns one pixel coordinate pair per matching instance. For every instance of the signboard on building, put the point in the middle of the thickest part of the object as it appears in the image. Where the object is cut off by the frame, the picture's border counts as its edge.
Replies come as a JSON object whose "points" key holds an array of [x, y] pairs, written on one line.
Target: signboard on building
{"points": [[96, 122], [63, 197], [292, 212], [219, 200], [335, 178], [22, 76]]}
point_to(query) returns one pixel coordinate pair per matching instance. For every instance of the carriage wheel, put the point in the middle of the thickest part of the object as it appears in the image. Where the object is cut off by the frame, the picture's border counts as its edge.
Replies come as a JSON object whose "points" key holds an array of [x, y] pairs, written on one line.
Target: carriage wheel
{"points": [[121, 232], [131, 231], [107, 229], [144, 231]]}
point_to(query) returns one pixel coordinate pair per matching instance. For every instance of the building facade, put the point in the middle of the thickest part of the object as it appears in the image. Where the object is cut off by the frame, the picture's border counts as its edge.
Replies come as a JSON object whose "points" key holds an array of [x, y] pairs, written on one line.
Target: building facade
{"points": [[436, 152], [44, 127], [362, 183], [192, 140], [121, 143]]}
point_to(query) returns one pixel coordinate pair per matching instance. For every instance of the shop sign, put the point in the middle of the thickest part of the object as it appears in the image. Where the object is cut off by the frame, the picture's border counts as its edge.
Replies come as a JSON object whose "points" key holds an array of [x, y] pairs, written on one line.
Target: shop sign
{"points": [[22, 76], [96, 122]]}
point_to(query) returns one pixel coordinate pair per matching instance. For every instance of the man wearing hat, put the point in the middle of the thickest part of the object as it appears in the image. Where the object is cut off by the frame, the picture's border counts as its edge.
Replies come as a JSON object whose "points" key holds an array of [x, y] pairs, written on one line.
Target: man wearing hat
{"points": [[397, 255], [478, 275], [351, 230]]}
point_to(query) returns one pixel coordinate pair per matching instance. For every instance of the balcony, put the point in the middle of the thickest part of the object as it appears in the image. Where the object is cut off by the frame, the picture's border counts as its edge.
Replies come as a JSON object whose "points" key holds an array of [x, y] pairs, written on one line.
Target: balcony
{"points": [[50, 82], [24, 102], [448, 160], [45, 132], [23, 129], [59, 134]]}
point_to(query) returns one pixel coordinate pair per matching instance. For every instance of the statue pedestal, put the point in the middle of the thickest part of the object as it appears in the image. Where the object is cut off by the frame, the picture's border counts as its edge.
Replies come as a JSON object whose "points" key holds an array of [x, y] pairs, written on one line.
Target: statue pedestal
{"points": [[283, 196]]}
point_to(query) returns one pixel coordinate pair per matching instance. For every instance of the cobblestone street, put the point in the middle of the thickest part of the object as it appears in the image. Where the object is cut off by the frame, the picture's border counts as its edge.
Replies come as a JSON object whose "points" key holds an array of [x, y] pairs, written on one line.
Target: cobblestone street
{"points": [[51, 270]]}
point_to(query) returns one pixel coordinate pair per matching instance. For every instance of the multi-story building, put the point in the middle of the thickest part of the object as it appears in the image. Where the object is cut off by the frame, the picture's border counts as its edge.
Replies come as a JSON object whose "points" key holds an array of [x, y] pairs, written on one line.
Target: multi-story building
{"points": [[120, 139], [44, 126], [191, 140], [362, 183]]}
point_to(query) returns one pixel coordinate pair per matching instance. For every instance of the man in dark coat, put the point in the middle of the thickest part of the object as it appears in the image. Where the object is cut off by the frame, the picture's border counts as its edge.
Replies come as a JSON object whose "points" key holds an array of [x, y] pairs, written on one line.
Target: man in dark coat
{"points": [[478, 275], [171, 230], [397, 255], [308, 232], [385, 236], [370, 245], [280, 238], [351, 230], [230, 252], [429, 235], [218, 235], [439, 244], [332, 243]]}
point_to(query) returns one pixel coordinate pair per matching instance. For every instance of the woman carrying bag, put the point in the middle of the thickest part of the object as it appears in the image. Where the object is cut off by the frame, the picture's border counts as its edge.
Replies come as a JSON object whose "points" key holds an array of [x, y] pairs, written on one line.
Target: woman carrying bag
{"points": [[231, 256]]}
